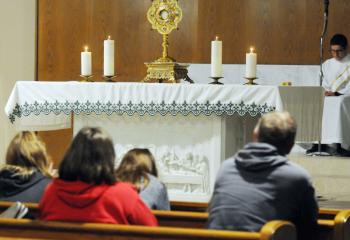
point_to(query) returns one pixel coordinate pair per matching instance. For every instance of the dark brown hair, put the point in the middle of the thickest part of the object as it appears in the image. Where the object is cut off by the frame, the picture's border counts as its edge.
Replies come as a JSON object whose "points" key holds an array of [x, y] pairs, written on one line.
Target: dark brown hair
{"points": [[28, 153], [90, 158], [134, 167]]}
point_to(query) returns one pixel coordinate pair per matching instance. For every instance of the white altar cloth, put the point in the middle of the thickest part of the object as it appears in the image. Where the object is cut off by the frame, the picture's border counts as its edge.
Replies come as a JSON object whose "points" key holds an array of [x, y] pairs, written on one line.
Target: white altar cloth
{"points": [[336, 120], [33, 105]]}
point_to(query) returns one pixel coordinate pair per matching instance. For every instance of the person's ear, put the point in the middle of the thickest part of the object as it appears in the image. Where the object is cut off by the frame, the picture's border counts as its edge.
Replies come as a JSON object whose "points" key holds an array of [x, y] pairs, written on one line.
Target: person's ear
{"points": [[255, 135]]}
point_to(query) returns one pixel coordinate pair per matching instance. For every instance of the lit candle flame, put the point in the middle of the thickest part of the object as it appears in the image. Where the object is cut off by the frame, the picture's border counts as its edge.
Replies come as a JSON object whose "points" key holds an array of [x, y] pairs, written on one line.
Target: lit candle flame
{"points": [[216, 38], [251, 49], [109, 37], [86, 48]]}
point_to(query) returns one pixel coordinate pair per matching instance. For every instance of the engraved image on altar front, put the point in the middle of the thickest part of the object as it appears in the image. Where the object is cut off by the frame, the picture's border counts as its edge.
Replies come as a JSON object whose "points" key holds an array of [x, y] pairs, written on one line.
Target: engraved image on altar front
{"points": [[185, 173]]}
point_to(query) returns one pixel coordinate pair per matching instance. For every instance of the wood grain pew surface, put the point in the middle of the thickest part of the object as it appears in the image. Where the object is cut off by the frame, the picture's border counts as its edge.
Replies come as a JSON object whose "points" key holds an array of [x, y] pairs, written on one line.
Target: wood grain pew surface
{"points": [[197, 220], [274, 230]]}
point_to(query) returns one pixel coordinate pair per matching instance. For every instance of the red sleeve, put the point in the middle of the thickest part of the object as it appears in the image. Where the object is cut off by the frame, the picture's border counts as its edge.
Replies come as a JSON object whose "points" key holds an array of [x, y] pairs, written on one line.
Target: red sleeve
{"points": [[142, 215], [137, 211]]}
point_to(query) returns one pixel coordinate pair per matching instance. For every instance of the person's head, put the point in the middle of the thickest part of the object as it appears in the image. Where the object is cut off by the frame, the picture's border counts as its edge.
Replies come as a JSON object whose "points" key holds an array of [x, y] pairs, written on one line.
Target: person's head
{"points": [[90, 158], [135, 166], [28, 153], [148, 158], [339, 46], [278, 129]]}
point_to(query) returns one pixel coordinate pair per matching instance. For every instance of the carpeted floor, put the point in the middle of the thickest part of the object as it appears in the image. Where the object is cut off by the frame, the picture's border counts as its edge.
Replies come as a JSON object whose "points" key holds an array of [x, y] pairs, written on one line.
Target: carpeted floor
{"points": [[330, 176]]}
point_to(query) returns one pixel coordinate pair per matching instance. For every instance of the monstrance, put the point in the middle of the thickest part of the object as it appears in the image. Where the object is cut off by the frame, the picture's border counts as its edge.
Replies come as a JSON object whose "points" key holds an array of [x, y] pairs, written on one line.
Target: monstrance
{"points": [[165, 15]]}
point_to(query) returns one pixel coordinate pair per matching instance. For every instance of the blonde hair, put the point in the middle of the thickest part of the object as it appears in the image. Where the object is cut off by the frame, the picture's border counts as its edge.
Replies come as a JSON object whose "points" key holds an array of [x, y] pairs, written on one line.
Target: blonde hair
{"points": [[135, 166], [278, 129], [27, 153]]}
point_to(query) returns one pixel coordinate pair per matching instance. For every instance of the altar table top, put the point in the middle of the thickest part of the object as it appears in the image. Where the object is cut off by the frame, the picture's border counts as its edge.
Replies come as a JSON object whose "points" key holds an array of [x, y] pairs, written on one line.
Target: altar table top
{"points": [[39, 105]]}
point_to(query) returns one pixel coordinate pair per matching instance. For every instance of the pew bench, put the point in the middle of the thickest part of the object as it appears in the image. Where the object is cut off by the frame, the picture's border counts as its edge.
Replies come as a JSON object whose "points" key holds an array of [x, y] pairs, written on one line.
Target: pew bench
{"points": [[333, 225], [34, 229]]}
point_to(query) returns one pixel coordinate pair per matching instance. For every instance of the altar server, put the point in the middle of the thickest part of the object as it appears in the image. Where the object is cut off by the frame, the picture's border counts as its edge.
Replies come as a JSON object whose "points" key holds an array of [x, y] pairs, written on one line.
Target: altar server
{"points": [[336, 82], [337, 69]]}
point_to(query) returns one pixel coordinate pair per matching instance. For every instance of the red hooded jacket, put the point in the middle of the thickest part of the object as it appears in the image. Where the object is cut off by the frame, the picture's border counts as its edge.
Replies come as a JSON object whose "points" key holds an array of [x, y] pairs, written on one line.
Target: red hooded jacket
{"points": [[82, 202]]}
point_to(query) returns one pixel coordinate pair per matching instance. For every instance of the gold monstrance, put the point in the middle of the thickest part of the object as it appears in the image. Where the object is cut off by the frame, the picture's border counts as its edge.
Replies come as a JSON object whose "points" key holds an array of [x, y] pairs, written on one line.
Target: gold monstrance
{"points": [[164, 15]]}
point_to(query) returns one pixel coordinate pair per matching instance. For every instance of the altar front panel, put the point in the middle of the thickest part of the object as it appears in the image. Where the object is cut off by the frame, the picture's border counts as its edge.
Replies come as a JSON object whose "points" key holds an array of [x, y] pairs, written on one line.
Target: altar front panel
{"points": [[188, 150]]}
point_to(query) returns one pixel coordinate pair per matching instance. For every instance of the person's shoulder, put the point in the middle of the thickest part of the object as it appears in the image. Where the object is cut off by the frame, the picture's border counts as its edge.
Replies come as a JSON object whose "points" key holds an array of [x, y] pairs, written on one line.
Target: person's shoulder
{"points": [[228, 164], [328, 62], [295, 172], [153, 180]]}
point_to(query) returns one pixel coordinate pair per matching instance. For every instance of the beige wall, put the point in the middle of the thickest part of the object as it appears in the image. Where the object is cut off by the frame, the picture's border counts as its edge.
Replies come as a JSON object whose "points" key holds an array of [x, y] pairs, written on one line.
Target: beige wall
{"points": [[17, 55]]}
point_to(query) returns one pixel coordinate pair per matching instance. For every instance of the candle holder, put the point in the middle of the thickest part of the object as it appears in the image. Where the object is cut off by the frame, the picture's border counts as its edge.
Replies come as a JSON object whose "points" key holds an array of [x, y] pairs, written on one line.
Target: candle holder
{"points": [[250, 81], [86, 78], [216, 80], [109, 78]]}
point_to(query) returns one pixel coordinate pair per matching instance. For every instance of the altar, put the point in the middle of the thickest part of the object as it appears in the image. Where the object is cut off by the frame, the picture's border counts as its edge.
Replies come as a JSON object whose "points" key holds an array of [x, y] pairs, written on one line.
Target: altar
{"points": [[190, 128]]}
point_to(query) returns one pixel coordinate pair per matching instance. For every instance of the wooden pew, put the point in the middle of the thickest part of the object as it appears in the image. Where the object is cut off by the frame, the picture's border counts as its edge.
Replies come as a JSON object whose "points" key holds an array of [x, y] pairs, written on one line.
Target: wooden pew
{"points": [[329, 226], [24, 228], [324, 213], [189, 206]]}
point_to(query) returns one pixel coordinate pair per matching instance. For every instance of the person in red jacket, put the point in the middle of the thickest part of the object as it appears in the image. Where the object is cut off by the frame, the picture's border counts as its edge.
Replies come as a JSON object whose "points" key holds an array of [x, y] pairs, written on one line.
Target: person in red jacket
{"points": [[87, 190]]}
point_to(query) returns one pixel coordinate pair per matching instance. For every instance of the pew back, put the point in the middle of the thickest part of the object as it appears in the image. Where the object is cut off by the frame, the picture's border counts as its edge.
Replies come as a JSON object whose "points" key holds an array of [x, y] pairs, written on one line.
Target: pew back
{"points": [[330, 226], [24, 228]]}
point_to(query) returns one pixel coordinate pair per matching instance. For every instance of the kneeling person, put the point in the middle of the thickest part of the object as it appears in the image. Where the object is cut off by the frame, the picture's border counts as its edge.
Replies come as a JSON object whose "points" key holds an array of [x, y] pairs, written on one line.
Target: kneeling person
{"points": [[259, 184]]}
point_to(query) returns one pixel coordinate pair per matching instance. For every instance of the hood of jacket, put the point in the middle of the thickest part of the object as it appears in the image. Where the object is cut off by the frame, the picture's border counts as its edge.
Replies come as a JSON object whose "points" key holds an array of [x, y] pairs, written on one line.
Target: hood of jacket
{"points": [[79, 194], [12, 182], [259, 157]]}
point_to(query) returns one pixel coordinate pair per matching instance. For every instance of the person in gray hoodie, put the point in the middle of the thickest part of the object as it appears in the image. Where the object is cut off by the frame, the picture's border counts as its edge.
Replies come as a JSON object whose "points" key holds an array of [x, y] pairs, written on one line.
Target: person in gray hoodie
{"points": [[259, 184]]}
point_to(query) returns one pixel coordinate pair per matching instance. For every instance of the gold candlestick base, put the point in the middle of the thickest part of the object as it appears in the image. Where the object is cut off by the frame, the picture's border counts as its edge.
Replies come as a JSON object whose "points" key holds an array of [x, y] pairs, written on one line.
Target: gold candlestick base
{"points": [[216, 80], [109, 78], [167, 72], [250, 81], [86, 78]]}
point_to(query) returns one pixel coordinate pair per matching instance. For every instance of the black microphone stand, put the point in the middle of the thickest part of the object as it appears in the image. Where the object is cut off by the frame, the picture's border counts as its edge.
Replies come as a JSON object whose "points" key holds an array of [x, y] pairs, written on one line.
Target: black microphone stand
{"points": [[324, 32], [323, 35]]}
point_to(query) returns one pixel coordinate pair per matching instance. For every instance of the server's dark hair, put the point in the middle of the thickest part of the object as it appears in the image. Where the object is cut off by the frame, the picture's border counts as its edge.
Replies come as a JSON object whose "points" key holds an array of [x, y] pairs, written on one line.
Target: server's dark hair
{"points": [[339, 39]]}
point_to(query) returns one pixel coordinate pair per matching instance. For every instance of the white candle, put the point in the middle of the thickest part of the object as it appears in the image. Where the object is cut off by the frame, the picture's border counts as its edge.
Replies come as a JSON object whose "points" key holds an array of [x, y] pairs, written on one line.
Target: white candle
{"points": [[216, 58], [108, 57], [86, 62], [250, 67]]}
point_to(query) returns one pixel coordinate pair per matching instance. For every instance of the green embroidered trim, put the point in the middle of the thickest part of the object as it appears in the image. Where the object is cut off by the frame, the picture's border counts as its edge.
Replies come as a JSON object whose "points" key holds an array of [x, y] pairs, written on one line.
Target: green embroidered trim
{"points": [[139, 108]]}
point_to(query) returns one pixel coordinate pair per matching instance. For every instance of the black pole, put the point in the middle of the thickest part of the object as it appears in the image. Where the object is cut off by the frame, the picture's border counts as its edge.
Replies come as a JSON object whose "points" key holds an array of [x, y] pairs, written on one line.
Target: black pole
{"points": [[323, 35]]}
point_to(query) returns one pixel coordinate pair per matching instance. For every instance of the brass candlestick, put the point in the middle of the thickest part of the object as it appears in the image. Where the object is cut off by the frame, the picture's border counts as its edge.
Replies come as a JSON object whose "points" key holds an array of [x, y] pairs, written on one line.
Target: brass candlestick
{"points": [[86, 78], [216, 80], [109, 78], [251, 81]]}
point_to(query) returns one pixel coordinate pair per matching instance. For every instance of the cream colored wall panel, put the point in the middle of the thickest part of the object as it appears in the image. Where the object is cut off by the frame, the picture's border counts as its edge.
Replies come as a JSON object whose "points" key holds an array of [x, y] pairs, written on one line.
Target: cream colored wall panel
{"points": [[17, 55]]}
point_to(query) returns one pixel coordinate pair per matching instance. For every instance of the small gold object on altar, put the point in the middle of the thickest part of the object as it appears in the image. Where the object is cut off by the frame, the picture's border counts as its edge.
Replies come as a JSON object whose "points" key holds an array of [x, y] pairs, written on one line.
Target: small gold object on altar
{"points": [[109, 78], [286, 84], [86, 78], [165, 15], [251, 81]]}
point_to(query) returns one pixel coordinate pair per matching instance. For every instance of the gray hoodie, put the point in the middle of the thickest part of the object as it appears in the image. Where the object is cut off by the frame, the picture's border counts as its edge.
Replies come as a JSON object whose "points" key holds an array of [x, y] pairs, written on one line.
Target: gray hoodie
{"points": [[258, 185]]}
